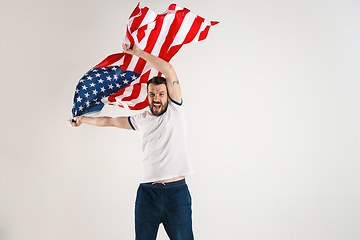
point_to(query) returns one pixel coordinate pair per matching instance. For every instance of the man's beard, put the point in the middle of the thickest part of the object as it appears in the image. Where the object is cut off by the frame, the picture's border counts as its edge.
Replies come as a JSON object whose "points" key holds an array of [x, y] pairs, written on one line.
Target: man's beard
{"points": [[151, 106]]}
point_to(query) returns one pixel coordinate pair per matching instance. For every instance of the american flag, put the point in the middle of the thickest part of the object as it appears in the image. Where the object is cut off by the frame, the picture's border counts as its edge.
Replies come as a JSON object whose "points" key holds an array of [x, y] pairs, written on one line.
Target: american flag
{"points": [[95, 87], [125, 76]]}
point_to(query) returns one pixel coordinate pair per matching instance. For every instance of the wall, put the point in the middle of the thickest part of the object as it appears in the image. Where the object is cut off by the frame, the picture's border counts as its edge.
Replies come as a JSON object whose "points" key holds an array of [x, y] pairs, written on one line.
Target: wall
{"points": [[271, 100]]}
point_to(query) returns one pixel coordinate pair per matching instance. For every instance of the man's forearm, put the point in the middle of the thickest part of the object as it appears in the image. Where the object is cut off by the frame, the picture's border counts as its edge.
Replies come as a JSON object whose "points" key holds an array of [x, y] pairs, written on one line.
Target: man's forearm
{"points": [[120, 122], [97, 121]]}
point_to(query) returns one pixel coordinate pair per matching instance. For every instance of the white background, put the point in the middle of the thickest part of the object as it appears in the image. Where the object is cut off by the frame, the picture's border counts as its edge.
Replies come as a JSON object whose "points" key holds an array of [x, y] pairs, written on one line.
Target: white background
{"points": [[272, 104]]}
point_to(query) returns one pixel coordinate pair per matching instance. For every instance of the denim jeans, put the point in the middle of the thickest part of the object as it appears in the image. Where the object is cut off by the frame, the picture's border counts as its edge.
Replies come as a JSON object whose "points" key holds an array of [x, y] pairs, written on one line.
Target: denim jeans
{"points": [[169, 204]]}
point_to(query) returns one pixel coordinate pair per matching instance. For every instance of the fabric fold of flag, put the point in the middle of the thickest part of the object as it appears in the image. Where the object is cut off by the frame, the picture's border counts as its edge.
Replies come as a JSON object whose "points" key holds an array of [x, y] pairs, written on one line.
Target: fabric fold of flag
{"points": [[124, 76]]}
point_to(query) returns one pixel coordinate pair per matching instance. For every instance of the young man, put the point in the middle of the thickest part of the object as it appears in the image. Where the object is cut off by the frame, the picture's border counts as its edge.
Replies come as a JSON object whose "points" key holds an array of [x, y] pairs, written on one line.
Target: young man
{"points": [[163, 195]]}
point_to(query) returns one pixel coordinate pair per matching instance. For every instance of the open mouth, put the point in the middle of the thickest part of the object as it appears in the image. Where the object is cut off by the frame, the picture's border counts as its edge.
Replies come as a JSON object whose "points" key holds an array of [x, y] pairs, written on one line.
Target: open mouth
{"points": [[156, 106]]}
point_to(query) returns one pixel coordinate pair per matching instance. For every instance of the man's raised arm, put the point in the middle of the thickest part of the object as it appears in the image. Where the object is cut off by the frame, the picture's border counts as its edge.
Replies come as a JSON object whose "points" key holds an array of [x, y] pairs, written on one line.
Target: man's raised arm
{"points": [[163, 67], [120, 122]]}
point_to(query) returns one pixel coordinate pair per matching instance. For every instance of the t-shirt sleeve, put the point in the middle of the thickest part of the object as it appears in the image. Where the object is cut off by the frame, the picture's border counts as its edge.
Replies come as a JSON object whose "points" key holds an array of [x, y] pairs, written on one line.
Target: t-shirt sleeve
{"points": [[135, 120], [132, 122], [175, 102], [177, 107]]}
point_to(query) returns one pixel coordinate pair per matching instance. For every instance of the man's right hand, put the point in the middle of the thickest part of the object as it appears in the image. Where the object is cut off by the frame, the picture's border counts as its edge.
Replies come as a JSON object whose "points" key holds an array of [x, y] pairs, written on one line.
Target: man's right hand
{"points": [[76, 121], [133, 51]]}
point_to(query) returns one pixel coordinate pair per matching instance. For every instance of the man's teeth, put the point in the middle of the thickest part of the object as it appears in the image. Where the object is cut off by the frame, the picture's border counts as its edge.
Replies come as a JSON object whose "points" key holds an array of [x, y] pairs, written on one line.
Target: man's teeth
{"points": [[157, 106]]}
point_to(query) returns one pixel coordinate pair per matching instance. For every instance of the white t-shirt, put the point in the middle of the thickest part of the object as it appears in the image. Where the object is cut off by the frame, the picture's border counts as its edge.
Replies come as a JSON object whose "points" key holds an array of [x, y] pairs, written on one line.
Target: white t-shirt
{"points": [[163, 143]]}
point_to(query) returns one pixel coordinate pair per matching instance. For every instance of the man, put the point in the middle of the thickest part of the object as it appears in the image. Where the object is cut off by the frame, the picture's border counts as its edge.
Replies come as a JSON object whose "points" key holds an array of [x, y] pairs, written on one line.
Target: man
{"points": [[163, 195]]}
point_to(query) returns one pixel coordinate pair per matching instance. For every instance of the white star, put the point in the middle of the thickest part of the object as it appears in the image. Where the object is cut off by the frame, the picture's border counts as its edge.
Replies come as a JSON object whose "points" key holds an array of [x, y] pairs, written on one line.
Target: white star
{"points": [[97, 75], [102, 89], [81, 108], [125, 81], [87, 103], [84, 87], [95, 70], [106, 72], [100, 81], [118, 85], [114, 68], [82, 80], [97, 103], [95, 92], [115, 77], [87, 95], [77, 90], [108, 78], [89, 77], [79, 99], [92, 84], [103, 68], [111, 86], [122, 75]]}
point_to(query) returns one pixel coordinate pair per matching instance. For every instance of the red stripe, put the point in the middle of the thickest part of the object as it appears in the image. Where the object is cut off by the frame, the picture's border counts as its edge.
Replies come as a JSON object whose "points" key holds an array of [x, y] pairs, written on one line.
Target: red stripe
{"points": [[127, 60], [154, 34], [173, 30], [110, 60], [204, 33], [118, 104], [136, 11], [141, 33], [137, 88], [172, 6], [144, 78], [172, 51], [140, 105], [195, 27], [138, 20], [139, 66]]}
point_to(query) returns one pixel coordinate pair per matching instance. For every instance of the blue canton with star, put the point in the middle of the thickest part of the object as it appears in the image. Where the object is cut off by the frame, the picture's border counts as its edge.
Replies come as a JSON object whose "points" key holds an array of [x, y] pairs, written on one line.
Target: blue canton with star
{"points": [[99, 83]]}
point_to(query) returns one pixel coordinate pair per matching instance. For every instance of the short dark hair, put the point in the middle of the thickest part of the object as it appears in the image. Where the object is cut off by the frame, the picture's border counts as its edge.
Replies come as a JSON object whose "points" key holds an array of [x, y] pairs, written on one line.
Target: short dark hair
{"points": [[156, 81]]}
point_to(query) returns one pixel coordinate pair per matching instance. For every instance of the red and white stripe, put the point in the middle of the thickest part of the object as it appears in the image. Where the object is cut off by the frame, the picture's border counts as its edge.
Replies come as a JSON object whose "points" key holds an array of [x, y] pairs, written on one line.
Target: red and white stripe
{"points": [[159, 34]]}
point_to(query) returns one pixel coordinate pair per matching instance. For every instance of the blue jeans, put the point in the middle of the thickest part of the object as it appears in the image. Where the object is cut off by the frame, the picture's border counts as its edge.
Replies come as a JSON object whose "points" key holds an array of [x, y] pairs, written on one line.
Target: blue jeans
{"points": [[169, 204]]}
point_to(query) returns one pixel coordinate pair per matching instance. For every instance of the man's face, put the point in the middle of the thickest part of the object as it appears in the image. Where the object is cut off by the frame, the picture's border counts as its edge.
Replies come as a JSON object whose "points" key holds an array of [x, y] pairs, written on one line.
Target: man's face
{"points": [[158, 99]]}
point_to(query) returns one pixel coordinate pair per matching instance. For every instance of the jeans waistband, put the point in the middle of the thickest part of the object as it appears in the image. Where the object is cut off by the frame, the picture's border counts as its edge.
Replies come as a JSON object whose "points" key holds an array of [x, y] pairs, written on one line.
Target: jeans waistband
{"points": [[165, 185]]}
